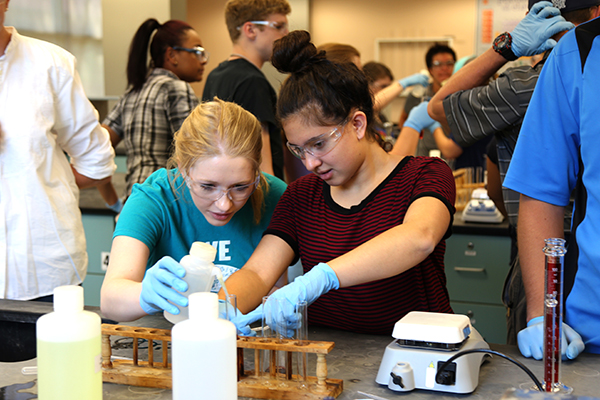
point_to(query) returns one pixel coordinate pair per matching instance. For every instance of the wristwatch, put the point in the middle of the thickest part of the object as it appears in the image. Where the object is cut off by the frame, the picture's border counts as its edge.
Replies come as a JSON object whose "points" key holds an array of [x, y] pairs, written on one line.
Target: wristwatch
{"points": [[503, 46]]}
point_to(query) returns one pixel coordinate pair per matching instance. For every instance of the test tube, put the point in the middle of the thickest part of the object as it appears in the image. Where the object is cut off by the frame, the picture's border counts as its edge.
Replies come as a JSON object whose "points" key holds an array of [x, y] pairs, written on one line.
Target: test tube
{"points": [[231, 313], [230, 307], [553, 305], [301, 340], [280, 309], [267, 369]]}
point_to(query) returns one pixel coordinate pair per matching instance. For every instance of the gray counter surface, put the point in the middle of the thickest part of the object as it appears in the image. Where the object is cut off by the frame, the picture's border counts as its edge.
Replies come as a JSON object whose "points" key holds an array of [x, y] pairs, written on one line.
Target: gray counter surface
{"points": [[355, 359]]}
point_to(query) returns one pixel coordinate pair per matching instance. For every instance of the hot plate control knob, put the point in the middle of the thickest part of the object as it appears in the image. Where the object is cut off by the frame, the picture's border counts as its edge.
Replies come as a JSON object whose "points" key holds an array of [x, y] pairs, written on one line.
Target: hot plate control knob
{"points": [[397, 380]]}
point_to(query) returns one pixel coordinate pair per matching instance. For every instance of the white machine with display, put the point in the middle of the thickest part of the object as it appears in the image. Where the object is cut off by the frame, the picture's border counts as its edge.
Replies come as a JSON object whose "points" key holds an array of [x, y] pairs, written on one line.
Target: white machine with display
{"points": [[481, 209], [423, 342]]}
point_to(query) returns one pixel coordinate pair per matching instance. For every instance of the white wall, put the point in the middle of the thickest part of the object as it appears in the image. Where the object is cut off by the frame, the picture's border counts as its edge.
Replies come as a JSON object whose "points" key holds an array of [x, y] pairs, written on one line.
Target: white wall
{"points": [[120, 21], [356, 22]]}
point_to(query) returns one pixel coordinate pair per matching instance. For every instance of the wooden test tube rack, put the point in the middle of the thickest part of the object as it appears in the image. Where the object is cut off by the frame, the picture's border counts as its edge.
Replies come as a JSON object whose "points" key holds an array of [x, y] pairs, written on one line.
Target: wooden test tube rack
{"points": [[136, 372], [149, 373], [252, 383]]}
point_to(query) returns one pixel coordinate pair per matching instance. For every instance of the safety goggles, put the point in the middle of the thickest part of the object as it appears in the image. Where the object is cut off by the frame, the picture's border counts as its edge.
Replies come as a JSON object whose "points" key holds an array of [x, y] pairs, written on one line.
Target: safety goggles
{"points": [[438, 64], [280, 26], [200, 52], [321, 145], [213, 193]]}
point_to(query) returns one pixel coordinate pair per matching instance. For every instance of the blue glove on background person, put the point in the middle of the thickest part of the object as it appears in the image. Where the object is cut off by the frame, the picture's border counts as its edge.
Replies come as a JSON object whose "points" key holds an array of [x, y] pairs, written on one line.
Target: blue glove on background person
{"points": [[419, 119], [281, 315], [414, 79], [159, 284], [533, 34], [117, 207], [531, 340]]}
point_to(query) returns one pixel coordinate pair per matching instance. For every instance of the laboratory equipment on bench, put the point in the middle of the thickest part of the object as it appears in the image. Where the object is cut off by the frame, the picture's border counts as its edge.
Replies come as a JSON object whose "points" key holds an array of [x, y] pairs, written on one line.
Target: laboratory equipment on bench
{"points": [[553, 302], [481, 209], [423, 342]]}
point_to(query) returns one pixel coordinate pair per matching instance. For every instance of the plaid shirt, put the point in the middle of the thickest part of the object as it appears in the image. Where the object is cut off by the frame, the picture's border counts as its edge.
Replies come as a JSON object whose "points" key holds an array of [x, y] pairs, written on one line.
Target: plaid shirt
{"points": [[495, 109], [146, 119]]}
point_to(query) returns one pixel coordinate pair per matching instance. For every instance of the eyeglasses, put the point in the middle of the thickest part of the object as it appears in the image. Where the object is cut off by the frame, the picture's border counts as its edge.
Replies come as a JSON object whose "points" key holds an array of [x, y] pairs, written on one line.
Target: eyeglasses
{"points": [[213, 193], [200, 52], [437, 64], [280, 26], [319, 146]]}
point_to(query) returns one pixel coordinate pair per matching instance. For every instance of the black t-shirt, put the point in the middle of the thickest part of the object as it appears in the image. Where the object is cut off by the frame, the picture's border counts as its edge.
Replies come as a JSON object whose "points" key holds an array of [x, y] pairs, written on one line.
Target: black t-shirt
{"points": [[243, 83]]}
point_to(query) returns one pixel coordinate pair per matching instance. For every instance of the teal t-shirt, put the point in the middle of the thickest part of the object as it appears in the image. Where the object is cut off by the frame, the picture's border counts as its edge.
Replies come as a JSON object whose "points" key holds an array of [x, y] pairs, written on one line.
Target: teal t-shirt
{"points": [[168, 222]]}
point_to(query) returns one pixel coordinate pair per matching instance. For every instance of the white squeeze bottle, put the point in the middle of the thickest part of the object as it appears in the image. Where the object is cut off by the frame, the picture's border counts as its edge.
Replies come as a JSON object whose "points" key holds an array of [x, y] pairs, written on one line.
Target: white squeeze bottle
{"points": [[204, 352], [69, 348], [200, 274]]}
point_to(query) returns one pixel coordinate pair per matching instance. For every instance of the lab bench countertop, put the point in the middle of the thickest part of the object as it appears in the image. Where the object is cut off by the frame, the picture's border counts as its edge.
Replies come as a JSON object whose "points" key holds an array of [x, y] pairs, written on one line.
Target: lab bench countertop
{"points": [[355, 359], [479, 228]]}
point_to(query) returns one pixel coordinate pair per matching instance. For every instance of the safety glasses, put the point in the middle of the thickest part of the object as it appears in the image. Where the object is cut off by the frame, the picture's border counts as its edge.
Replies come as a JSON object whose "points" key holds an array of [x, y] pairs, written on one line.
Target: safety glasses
{"points": [[200, 52]]}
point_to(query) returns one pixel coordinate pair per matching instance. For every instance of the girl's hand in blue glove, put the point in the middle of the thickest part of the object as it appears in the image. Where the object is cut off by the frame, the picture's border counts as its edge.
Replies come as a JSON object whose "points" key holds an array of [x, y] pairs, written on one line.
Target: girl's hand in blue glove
{"points": [[242, 322], [160, 285], [280, 309], [531, 340], [414, 79], [533, 35]]}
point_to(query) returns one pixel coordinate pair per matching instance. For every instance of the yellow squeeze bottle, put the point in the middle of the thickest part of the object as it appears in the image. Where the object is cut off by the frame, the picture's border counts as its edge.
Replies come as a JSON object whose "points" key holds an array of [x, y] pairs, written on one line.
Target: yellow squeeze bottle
{"points": [[69, 349]]}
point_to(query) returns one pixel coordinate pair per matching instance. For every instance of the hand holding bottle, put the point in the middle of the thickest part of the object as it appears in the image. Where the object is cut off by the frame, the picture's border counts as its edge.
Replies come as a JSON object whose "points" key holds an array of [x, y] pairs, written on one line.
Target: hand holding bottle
{"points": [[161, 285], [414, 79]]}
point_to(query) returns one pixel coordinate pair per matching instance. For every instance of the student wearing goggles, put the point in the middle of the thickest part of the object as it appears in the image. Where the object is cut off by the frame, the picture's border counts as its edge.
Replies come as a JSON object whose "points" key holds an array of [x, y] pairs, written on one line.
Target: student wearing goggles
{"points": [[212, 191]]}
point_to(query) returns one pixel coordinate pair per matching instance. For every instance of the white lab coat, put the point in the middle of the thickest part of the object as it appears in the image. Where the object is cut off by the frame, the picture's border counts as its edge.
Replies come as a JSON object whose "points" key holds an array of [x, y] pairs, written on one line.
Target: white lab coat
{"points": [[44, 113]]}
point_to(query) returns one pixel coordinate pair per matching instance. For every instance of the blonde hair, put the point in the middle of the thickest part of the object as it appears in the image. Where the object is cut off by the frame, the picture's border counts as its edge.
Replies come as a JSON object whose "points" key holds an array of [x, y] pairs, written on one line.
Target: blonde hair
{"points": [[238, 12], [218, 128], [339, 52]]}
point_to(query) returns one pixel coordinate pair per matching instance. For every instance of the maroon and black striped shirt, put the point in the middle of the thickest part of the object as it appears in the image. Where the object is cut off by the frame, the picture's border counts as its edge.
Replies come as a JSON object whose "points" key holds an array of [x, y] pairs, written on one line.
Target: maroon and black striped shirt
{"points": [[319, 230]]}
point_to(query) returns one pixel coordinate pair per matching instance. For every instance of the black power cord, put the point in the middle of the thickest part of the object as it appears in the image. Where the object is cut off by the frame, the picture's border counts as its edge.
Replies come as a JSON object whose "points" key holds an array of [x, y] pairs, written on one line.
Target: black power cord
{"points": [[462, 353]]}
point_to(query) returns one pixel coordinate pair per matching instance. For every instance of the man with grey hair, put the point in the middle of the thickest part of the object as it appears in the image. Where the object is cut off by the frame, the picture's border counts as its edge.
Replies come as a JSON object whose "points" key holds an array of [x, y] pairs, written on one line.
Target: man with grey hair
{"points": [[472, 108]]}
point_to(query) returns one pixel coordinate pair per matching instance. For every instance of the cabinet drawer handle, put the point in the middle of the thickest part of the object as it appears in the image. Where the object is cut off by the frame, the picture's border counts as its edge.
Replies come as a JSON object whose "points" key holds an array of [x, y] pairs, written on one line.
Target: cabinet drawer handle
{"points": [[466, 269]]}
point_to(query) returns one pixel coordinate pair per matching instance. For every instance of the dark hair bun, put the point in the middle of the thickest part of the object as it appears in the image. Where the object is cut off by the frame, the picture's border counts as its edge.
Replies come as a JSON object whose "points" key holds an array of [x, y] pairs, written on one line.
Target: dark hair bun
{"points": [[294, 52]]}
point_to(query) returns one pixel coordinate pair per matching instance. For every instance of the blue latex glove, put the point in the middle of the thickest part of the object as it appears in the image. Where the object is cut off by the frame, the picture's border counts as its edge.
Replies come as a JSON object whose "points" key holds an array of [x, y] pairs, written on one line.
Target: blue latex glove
{"points": [[531, 340], [240, 321], [415, 79], [419, 119], [159, 284], [281, 315], [533, 34], [117, 207], [308, 287]]}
